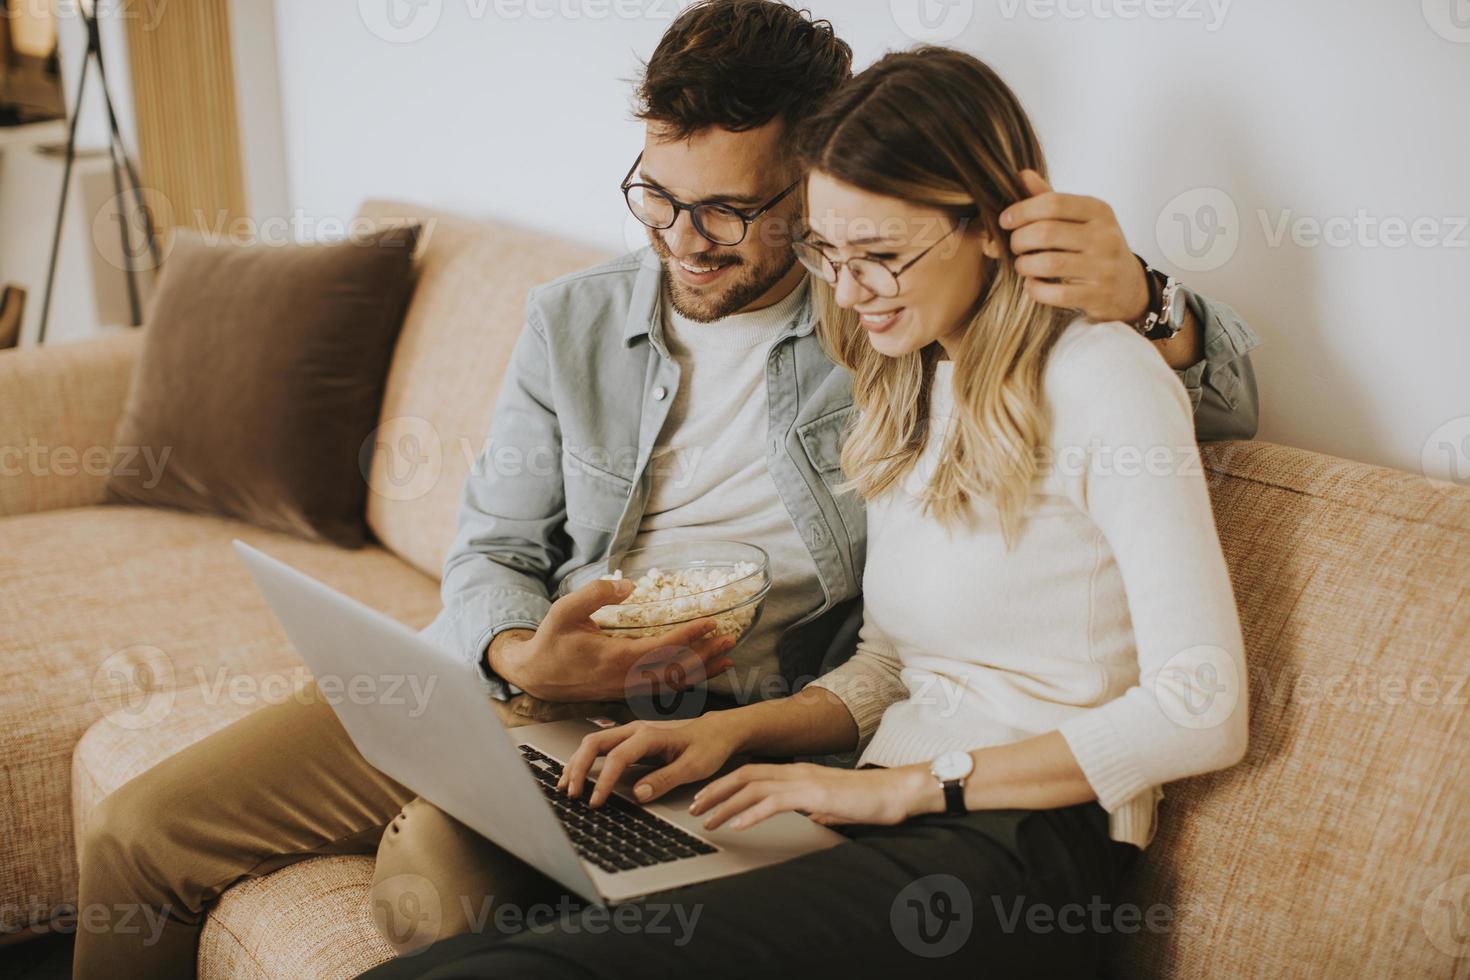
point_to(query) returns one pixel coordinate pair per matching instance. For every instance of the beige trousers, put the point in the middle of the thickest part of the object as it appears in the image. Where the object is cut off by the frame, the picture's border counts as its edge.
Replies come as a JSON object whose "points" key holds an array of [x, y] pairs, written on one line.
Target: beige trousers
{"points": [[280, 786]]}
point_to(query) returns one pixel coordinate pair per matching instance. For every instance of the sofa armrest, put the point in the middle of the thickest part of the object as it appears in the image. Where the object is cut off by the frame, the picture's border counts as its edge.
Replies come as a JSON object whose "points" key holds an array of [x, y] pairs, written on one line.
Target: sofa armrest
{"points": [[59, 406]]}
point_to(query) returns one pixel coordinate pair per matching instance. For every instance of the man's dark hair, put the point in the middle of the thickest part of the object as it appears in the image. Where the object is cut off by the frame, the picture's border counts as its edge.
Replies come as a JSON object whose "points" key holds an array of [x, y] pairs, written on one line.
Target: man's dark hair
{"points": [[739, 64]]}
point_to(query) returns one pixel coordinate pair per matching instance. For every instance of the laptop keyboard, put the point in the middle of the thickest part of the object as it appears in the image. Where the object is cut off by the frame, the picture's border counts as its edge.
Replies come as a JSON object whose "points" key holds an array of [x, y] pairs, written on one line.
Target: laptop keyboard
{"points": [[619, 835]]}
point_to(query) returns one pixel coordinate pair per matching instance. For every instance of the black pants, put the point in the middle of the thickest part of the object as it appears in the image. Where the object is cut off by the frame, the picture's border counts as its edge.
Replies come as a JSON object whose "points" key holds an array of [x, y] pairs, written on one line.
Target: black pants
{"points": [[1001, 893]]}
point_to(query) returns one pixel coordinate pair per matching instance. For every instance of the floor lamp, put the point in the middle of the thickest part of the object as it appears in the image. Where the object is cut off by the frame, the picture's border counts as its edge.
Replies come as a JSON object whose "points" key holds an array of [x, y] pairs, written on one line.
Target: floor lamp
{"points": [[87, 10]]}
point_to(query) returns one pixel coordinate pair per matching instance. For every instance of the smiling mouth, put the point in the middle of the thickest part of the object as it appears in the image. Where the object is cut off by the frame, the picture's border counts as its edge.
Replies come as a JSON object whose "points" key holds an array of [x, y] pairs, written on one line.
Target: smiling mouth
{"points": [[700, 273], [879, 322]]}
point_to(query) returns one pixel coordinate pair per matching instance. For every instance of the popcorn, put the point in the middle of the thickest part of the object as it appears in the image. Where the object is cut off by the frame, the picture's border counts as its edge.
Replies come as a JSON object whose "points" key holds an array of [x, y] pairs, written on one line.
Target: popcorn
{"points": [[661, 598]]}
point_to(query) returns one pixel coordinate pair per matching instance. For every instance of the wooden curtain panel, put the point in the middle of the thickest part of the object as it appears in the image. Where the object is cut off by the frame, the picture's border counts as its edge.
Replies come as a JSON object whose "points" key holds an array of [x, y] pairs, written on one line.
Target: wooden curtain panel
{"points": [[183, 80]]}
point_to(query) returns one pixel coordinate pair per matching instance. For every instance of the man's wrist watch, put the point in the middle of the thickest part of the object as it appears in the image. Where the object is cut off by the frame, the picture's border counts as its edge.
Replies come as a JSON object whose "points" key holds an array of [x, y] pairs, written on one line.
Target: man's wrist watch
{"points": [[952, 770], [1166, 308]]}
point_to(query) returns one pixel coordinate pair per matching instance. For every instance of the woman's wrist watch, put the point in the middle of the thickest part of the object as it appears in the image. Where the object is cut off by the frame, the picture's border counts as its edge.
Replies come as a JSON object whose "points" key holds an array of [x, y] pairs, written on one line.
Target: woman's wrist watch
{"points": [[952, 770], [1165, 315]]}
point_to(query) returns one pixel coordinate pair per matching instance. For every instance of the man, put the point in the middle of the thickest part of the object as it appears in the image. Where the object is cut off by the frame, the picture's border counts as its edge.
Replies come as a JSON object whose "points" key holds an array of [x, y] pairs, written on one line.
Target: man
{"points": [[686, 397]]}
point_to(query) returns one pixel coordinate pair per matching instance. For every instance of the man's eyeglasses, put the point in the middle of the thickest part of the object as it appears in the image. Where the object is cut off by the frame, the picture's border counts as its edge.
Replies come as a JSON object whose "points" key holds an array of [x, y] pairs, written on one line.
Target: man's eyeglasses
{"points": [[721, 224], [871, 274]]}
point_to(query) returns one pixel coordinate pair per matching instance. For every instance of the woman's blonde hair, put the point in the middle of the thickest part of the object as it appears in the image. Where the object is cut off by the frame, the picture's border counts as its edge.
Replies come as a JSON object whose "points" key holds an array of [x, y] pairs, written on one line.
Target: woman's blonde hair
{"points": [[938, 128]]}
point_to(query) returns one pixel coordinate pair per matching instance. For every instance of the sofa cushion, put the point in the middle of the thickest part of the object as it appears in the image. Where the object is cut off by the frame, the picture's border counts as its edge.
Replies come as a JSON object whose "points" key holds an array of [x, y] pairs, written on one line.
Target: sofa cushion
{"points": [[1340, 846], [59, 406], [467, 311], [308, 921], [116, 608], [260, 378]]}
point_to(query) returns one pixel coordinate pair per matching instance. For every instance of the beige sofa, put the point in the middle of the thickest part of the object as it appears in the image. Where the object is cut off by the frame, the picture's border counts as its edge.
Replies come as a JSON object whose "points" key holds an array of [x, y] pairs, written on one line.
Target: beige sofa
{"points": [[1339, 848]]}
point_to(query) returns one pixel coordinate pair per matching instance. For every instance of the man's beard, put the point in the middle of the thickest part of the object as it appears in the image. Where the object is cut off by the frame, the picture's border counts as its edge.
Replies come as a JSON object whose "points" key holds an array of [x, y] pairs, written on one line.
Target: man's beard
{"points": [[747, 284]]}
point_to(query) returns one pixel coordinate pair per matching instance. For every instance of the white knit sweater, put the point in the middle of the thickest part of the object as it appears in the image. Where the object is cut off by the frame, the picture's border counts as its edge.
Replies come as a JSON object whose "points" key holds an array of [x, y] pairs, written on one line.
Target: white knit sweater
{"points": [[1112, 619]]}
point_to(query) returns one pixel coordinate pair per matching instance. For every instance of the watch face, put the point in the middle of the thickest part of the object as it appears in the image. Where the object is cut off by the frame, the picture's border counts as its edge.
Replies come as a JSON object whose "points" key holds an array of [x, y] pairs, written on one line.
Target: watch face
{"points": [[953, 765], [1177, 311]]}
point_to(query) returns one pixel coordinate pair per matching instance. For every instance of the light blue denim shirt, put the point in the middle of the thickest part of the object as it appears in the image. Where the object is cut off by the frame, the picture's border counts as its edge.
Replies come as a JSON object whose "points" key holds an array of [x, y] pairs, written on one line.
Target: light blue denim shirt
{"points": [[564, 476]]}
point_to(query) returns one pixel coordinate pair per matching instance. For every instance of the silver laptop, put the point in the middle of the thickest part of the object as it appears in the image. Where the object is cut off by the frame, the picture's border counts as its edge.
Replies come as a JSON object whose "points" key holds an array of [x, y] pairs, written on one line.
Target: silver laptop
{"points": [[420, 715]]}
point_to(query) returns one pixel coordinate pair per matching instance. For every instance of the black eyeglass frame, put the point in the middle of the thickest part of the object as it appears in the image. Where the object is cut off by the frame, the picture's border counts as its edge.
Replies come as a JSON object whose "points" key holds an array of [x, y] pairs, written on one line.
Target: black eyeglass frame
{"points": [[748, 217], [801, 245]]}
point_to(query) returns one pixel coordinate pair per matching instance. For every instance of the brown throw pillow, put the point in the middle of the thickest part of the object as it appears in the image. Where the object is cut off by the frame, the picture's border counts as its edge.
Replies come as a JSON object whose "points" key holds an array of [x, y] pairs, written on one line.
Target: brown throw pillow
{"points": [[261, 375]]}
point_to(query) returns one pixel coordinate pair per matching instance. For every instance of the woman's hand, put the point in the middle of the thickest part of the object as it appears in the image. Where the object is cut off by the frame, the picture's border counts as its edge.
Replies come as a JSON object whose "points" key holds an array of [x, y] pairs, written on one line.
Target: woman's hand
{"points": [[828, 795], [693, 750]]}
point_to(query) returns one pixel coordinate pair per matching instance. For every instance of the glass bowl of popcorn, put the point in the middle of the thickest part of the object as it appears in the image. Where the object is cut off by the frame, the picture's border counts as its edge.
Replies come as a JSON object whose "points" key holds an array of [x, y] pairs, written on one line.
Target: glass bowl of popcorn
{"points": [[726, 581]]}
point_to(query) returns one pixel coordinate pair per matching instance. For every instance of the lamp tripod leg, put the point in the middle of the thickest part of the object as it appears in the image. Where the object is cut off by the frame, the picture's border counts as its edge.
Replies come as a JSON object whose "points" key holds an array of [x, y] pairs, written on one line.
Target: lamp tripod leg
{"points": [[71, 153]]}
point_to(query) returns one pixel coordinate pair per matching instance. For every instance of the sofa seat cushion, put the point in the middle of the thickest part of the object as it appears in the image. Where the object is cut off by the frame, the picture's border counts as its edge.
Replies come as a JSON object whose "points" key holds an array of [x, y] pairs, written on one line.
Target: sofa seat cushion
{"points": [[118, 608], [308, 921]]}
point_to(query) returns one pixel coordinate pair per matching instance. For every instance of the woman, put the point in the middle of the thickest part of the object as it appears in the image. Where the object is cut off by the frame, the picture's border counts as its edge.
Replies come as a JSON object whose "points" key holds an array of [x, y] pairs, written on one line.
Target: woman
{"points": [[1049, 629]]}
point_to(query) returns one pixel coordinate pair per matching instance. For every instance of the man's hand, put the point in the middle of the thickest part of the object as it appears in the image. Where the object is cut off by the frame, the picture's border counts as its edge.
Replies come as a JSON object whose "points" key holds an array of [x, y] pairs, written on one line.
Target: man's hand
{"points": [[692, 749], [569, 658], [1074, 255]]}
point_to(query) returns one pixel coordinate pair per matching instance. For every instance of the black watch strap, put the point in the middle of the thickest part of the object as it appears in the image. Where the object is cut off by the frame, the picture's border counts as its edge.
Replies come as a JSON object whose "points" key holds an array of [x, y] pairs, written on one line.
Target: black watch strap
{"points": [[1158, 319], [954, 798]]}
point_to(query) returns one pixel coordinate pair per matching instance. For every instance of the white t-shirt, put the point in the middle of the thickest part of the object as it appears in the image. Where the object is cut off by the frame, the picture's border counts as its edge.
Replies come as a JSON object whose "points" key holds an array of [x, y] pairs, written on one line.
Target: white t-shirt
{"points": [[710, 478]]}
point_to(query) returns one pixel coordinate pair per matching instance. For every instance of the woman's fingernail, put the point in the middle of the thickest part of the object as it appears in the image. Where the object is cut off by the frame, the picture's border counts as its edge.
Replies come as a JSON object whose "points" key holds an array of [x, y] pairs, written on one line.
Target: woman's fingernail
{"points": [[642, 791]]}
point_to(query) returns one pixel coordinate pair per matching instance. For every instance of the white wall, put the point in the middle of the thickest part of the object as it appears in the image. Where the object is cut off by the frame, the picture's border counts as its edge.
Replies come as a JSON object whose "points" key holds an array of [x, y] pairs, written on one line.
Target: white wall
{"points": [[1308, 110]]}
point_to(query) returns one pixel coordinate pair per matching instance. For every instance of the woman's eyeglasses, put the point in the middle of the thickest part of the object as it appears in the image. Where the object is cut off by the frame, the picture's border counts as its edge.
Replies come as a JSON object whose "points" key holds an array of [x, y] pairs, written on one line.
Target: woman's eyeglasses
{"points": [[718, 223], [874, 276]]}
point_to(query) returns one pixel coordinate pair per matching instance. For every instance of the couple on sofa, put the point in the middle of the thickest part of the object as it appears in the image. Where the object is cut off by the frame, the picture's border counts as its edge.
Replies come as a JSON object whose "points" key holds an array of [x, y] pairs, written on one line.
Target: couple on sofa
{"points": [[869, 338]]}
